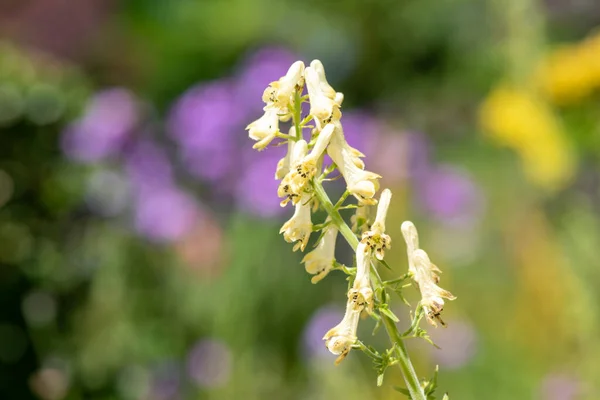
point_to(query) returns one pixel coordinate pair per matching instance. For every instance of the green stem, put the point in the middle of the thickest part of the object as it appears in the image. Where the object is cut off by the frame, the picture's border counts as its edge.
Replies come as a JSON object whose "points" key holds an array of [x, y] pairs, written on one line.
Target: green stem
{"points": [[297, 114], [408, 371]]}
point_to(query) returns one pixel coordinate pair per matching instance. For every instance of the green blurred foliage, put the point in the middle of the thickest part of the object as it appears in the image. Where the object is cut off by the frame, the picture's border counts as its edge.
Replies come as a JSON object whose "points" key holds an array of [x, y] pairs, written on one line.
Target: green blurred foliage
{"points": [[115, 308]]}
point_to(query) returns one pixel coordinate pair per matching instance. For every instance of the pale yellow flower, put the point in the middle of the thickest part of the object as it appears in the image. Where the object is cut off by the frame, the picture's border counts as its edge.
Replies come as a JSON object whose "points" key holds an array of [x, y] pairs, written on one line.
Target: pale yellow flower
{"points": [[361, 292], [360, 183], [321, 105], [279, 95], [339, 339], [264, 129], [320, 261], [375, 238], [298, 228], [326, 88], [297, 180], [425, 275]]}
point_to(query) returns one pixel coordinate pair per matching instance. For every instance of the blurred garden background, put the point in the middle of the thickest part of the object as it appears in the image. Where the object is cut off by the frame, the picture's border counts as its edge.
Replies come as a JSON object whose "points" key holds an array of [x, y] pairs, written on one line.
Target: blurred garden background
{"points": [[139, 250]]}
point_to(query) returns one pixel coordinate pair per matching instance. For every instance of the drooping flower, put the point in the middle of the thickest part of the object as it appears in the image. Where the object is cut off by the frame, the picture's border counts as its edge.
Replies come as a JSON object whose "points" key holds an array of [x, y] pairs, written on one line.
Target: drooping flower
{"points": [[360, 183], [298, 178], [361, 293], [325, 87], [299, 227], [425, 275], [320, 261], [256, 72], [339, 339], [264, 129], [322, 107], [376, 238], [321, 320], [279, 94]]}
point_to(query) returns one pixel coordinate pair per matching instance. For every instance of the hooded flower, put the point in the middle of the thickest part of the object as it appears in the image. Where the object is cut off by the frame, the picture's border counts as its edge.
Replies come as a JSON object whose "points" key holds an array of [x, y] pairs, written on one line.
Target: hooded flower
{"points": [[339, 339], [360, 183], [325, 87], [297, 180], [264, 129], [376, 238], [320, 261], [279, 94], [299, 227], [361, 293], [425, 275], [321, 105]]}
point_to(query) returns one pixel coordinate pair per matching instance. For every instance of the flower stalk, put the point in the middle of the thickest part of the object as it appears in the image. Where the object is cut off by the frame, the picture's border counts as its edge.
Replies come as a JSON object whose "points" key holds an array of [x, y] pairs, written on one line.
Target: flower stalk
{"points": [[301, 174]]}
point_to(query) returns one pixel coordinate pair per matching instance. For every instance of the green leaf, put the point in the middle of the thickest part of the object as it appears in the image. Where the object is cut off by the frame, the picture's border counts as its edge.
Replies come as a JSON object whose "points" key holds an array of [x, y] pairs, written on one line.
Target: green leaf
{"points": [[431, 385], [385, 264], [403, 391], [387, 312]]}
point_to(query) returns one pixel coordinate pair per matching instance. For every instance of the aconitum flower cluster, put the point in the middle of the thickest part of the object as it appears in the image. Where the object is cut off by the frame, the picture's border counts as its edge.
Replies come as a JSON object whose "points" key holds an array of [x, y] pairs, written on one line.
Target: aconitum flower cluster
{"points": [[301, 173]]}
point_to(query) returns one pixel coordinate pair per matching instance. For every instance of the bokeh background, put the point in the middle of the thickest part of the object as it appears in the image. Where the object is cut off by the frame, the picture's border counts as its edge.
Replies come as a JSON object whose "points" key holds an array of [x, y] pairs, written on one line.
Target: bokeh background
{"points": [[139, 247]]}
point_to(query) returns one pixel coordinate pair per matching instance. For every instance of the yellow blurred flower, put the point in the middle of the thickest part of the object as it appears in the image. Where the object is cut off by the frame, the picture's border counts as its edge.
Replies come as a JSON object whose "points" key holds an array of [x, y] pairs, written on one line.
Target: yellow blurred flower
{"points": [[518, 119], [571, 72]]}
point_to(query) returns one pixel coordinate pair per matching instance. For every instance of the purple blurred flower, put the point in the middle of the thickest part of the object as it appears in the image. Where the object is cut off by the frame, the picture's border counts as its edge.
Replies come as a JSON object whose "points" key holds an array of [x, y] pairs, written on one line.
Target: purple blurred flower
{"points": [[560, 387], [109, 118], [361, 131], [261, 68], [148, 166], [458, 344], [166, 214], [322, 320], [209, 363], [419, 162], [256, 190], [162, 211], [206, 122], [450, 195], [390, 150], [166, 382]]}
